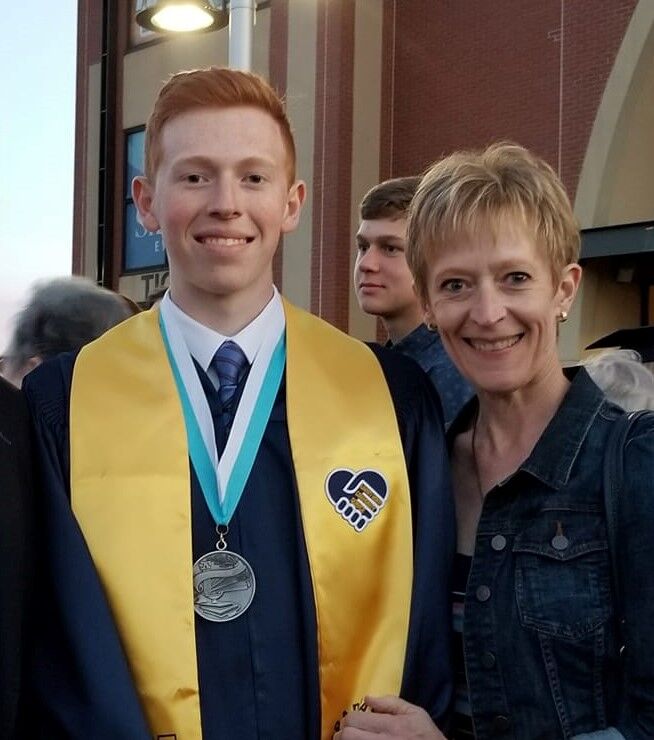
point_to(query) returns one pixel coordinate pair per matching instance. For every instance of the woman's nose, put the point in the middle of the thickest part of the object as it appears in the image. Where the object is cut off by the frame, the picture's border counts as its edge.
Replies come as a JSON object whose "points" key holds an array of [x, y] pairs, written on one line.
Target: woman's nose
{"points": [[489, 306]]}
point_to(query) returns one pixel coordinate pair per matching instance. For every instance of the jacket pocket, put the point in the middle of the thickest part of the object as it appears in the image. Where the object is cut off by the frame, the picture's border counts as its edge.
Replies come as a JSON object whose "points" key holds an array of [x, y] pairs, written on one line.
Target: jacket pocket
{"points": [[562, 577]]}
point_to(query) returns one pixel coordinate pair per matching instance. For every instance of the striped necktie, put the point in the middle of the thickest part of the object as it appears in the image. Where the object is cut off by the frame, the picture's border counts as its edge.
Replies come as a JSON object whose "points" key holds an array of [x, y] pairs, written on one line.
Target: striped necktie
{"points": [[230, 364]]}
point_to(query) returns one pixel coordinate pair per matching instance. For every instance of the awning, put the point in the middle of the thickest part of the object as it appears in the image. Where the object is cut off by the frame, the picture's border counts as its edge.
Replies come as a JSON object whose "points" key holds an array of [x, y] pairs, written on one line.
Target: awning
{"points": [[609, 241]]}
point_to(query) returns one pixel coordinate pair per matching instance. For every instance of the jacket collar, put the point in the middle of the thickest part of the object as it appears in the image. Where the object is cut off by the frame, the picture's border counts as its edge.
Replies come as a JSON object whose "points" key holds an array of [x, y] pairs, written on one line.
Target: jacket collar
{"points": [[554, 455]]}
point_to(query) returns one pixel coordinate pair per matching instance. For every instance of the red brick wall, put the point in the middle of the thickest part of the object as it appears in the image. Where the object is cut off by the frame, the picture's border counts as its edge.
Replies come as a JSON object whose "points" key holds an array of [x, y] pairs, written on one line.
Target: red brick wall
{"points": [[593, 32], [278, 68], [330, 265], [466, 73]]}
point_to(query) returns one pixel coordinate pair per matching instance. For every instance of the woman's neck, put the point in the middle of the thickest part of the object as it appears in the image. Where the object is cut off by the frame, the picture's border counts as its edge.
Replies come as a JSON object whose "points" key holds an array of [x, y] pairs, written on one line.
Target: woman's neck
{"points": [[508, 425]]}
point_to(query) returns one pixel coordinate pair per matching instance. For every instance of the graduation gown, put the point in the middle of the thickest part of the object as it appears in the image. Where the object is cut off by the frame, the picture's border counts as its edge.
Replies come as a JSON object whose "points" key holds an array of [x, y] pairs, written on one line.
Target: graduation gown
{"points": [[258, 674], [16, 552]]}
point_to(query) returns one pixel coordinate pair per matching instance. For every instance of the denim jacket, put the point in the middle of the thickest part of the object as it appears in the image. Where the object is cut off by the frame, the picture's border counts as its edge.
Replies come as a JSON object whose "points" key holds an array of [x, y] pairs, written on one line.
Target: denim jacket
{"points": [[426, 348], [542, 631]]}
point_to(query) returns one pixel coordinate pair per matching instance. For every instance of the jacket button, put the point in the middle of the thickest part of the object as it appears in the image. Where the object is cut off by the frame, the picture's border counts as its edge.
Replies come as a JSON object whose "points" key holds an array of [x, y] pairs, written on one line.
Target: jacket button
{"points": [[560, 542], [500, 724], [498, 543], [483, 593], [488, 660]]}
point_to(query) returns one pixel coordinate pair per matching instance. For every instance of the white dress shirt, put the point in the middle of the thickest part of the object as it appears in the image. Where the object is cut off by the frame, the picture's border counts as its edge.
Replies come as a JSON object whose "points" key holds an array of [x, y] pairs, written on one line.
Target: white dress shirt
{"points": [[203, 342]]}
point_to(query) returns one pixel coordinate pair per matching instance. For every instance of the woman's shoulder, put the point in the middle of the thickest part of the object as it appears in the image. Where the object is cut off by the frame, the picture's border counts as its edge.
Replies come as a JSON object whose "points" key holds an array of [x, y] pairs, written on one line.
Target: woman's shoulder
{"points": [[639, 438], [629, 453], [634, 424]]}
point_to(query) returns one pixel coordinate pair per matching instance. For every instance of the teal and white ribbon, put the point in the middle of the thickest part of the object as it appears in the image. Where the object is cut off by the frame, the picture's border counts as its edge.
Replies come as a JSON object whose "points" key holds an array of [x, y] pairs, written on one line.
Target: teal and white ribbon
{"points": [[223, 481]]}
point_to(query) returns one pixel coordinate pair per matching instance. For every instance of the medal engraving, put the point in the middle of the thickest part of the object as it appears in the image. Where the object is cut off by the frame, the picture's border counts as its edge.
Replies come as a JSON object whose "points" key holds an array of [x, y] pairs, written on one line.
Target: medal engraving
{"points": [[223, 586]]}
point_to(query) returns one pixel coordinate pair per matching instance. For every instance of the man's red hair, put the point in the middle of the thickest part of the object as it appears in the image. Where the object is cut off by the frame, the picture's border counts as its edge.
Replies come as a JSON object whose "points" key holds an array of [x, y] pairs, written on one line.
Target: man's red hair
{"points": [[213, 87]]}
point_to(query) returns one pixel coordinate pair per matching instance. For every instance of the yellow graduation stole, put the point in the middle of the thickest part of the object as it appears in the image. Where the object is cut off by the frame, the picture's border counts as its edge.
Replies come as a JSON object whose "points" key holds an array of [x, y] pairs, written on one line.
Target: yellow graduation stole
{"points": [[130, 466]]}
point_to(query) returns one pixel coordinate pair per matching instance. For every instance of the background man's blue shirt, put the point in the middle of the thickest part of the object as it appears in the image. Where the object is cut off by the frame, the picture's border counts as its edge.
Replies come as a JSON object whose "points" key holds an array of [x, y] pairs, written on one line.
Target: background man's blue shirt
{"points": [[426, 348]]}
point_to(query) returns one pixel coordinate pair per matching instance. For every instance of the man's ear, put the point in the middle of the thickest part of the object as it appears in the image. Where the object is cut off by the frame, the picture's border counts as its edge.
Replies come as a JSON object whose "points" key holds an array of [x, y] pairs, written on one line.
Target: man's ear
{"points": [[296, 195], [143, 196]]}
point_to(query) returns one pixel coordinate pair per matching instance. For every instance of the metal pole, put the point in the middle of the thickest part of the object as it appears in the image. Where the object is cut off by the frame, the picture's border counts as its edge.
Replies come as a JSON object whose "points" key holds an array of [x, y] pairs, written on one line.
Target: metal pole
{"points": [[241, 33]]}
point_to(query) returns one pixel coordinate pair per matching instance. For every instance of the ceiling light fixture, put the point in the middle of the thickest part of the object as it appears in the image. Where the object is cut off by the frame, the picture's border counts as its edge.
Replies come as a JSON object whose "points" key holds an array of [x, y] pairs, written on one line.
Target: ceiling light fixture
{"points": [[181, 16]]}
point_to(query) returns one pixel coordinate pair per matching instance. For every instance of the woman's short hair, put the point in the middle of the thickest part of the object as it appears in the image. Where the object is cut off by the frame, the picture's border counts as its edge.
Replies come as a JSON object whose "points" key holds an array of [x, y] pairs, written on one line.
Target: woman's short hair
{"points": [[623, 378], [473, 191], [63, 314]]}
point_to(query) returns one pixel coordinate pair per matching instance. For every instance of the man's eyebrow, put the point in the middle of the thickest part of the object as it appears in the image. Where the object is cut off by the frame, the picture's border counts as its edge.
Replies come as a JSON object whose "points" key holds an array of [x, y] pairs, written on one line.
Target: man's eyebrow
{"points": [[196, 160], [257, 162], [200, 160]]}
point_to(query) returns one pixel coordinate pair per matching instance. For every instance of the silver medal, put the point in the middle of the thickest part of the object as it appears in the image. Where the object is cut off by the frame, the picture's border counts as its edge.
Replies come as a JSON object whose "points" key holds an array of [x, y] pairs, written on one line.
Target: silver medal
{"points": [[223, 585]]}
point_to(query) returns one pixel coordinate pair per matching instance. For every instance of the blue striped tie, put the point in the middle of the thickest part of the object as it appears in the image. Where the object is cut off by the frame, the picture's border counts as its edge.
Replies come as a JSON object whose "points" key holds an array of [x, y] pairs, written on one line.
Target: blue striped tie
{"points": [[230, 364]]}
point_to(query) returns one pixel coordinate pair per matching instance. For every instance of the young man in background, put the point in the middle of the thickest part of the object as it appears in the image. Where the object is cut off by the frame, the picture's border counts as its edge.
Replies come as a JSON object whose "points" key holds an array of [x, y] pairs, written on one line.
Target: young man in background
{"points": [[384, 288]]}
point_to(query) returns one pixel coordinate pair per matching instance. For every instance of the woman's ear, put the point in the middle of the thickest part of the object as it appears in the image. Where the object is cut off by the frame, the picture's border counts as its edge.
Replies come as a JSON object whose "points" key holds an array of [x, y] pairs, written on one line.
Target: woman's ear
{"points": [[568, 286], [430, 319]]}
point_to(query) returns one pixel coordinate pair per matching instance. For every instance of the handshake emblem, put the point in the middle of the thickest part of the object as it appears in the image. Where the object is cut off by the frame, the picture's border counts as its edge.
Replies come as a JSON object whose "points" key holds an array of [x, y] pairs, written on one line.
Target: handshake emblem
{"points": [[357, 496]]}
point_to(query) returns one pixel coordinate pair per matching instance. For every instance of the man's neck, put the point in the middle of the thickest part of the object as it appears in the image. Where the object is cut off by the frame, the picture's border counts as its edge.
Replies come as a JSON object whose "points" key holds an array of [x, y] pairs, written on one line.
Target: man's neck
{"points": [[225, 314], [399, 327]]}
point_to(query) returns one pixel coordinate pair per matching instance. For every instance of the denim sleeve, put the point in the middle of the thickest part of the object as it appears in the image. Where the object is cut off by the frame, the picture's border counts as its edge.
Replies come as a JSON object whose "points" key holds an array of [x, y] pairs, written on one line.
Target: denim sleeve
{"points": [[635, 544], [610, 733]]}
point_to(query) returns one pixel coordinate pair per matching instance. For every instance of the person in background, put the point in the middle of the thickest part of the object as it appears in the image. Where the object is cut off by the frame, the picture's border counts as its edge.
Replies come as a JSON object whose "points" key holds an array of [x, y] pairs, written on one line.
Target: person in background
{"points": [[638, 338], [17, 546], [384, 288], [551, 647], [254, 542], [61, 315], [624, 379]]}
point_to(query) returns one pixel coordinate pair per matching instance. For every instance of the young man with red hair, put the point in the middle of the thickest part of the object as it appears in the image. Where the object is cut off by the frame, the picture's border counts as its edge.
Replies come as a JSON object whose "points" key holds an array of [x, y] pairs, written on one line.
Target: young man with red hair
{"points": [[267, 543]]}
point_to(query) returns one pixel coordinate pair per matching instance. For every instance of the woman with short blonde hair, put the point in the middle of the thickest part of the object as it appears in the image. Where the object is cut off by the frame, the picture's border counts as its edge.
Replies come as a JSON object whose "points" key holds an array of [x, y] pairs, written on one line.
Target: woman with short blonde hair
{"points": [[549, 646]]}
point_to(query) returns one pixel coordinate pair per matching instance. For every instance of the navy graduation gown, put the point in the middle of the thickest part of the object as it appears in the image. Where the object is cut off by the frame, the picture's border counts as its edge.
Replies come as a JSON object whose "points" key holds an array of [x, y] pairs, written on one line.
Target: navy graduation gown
{"points": [[258, 674]]}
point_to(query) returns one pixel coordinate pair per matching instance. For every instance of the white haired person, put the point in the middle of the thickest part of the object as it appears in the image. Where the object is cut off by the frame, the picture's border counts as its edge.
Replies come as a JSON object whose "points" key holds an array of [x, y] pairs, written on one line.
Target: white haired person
{"points": [[624, 379], [552, 642], [62, 314]]}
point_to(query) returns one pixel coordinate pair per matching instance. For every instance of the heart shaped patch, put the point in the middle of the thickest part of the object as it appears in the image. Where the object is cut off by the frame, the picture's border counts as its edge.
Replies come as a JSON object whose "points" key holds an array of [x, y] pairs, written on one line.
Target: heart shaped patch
{"points": [[357, 496]]}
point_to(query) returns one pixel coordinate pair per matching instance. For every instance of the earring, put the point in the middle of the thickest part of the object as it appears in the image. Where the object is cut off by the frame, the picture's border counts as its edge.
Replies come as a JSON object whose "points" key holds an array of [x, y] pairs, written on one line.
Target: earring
{"points": [[563, 316], [431, 327]]}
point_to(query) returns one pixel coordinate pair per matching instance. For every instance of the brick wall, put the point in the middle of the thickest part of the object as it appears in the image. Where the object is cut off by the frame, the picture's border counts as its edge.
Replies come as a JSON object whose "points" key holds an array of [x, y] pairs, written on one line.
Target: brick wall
{"points": [[330, 256], [466, 73]]}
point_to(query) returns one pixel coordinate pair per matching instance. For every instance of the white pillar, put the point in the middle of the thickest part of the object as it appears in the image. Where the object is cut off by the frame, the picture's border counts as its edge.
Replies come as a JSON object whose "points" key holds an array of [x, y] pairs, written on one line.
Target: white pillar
{"points": [[241, 33]]}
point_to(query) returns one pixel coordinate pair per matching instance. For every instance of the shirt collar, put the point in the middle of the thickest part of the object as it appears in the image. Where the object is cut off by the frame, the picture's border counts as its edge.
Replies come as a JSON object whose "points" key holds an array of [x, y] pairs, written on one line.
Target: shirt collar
{"points": [[556, 451], [202, 342]]}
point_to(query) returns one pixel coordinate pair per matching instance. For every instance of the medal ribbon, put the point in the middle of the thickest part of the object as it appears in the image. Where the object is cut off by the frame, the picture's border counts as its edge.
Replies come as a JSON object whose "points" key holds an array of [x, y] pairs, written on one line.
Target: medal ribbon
{"points": [[223, 483]]}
